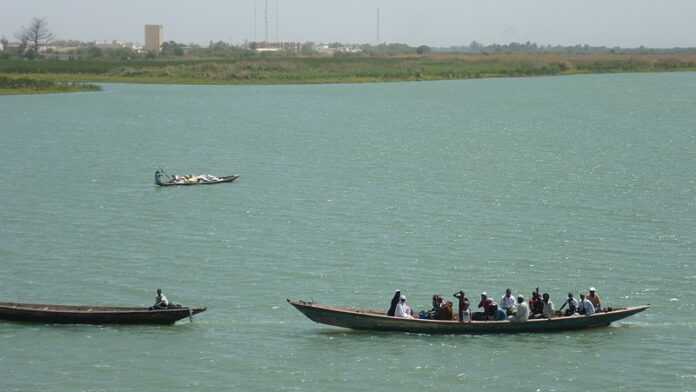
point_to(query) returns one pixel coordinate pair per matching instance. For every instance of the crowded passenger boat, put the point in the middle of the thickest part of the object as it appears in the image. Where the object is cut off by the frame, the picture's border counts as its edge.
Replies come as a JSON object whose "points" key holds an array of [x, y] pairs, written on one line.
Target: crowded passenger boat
{"points": [[511, 314], [510, 308]]}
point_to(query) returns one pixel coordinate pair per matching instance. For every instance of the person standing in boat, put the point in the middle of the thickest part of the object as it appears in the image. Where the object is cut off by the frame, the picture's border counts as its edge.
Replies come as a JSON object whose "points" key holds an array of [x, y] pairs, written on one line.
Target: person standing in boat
{"points": [[507, 302], [403, 309], [572, 304], [394, 303], [594, 298], [464, 311], [522, 313], [161, 301], [586, 307]]}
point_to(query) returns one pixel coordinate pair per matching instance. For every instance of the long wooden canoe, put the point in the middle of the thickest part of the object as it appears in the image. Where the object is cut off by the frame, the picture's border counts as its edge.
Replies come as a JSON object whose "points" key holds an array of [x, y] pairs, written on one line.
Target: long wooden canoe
{"points": [[379, 321], [71, 314]]}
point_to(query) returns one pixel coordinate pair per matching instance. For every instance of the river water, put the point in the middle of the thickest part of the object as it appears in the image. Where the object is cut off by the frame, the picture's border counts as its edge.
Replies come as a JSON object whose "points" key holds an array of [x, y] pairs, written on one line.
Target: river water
{"points": [[348, 192]]}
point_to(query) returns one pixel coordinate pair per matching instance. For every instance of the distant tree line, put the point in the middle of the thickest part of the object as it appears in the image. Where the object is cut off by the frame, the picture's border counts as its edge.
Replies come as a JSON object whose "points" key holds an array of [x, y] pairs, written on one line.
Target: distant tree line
{"points": [[532, 47], [34, 41]]}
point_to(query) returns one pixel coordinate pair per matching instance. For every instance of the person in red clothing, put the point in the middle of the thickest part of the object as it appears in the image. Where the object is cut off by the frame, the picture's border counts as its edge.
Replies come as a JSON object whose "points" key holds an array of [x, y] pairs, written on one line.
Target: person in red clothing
{"points": [[489, 307], [536, 305], [482, 304]]}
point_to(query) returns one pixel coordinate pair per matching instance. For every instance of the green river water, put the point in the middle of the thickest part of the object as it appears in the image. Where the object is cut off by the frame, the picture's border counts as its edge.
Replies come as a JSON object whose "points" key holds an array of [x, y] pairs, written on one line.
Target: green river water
{"points": [[348, 192]]}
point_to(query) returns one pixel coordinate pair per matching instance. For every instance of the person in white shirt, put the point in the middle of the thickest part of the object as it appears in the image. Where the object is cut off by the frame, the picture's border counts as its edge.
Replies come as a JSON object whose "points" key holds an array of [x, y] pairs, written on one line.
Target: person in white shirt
{"points": [[507, 302], [572, 304], [586, 307], [403, 310], [161, 300], [522, 313], [549, 311]]}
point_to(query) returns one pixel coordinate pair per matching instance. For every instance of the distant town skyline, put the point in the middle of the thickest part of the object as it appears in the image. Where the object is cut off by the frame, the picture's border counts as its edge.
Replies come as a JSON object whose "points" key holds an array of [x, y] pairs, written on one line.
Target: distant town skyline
{"points": [[626, 23]]}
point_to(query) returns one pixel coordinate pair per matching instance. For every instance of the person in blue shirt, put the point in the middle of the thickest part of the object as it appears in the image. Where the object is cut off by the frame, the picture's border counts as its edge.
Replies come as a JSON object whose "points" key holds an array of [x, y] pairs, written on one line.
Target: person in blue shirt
{"points": [[500, 314]]}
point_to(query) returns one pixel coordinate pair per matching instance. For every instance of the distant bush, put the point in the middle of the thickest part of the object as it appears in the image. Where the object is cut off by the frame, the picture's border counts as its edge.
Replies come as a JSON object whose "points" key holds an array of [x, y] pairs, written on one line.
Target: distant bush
{"points": [[41, 84]]}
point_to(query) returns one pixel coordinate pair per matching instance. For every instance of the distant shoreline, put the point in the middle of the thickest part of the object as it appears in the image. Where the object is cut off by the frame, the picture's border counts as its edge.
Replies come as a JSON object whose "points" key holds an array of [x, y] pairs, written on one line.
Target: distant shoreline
{"points": [[72, 75]]}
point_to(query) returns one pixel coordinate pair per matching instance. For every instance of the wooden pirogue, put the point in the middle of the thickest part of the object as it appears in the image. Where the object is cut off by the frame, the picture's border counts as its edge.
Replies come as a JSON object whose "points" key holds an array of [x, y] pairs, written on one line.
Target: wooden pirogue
{"points": [[379, 321], [71, 314]]}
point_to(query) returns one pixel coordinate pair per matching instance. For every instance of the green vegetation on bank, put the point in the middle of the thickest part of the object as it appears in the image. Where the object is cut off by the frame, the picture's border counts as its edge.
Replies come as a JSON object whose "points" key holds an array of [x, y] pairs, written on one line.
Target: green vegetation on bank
{"points": [[32, 85], [262, 69]]}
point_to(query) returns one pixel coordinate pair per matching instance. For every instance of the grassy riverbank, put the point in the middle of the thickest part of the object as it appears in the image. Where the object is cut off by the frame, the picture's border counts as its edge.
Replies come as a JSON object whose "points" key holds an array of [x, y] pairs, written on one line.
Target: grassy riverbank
{"points": [[33, 85], [341, 69]]}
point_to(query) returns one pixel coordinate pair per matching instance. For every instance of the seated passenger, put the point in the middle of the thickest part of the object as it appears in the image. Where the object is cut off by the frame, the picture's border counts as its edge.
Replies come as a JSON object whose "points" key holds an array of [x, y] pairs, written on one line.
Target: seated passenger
{"points": [[433, 313], [548, 310], [499, 314], [522, 312], [403, 310], [445, 312], [586, 307], [442, 309], [594, 298], [536, 305], [488, 309], [572, 304], [464, 311], [507, 302], [161, 301]]}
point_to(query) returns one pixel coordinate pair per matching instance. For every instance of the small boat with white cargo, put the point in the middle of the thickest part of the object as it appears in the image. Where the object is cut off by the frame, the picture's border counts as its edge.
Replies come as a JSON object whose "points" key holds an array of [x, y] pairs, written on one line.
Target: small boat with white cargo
{"points": [[164, 179]]}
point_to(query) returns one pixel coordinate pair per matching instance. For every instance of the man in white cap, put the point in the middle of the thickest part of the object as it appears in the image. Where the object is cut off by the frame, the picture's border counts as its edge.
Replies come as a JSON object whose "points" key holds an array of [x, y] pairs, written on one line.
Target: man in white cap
{"points": [[403, 310], [594, 298], [522, 313], [586, 307]]}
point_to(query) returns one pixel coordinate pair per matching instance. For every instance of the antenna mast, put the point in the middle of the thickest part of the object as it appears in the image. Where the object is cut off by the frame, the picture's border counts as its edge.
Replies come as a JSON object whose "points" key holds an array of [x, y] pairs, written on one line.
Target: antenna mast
{"points": [[379, 39], [266, 18], [277, 17]]}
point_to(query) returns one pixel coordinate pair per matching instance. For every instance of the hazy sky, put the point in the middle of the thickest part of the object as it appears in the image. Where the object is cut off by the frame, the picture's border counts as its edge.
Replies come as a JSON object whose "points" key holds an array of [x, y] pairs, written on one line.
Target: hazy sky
{"points": [[653, 23]]}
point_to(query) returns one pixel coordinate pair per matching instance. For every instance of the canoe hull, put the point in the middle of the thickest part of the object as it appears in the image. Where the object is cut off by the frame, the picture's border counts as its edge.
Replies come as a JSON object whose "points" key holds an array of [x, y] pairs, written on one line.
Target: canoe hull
{"points": [[65, 314], [361, 320]]}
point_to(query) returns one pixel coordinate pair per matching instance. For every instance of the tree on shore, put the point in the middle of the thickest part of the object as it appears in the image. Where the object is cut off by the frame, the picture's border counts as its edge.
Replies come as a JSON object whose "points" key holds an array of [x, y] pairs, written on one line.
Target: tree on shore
{"points": [[172, 48], [423, 49], [35, 36]]}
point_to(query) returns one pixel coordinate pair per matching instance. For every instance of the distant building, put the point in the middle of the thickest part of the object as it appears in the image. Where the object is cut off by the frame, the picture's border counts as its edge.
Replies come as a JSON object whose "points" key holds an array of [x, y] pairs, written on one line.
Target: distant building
{"points": [[327, 49], [153, 38], [261, 47]]}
